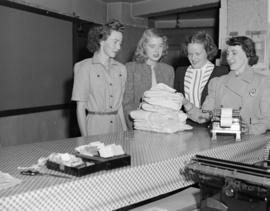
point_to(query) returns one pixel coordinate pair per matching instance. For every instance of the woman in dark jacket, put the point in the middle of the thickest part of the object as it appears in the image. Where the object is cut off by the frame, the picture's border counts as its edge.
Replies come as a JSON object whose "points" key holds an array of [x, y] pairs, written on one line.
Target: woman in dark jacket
{"points": [[192, 81], [146, 70]]}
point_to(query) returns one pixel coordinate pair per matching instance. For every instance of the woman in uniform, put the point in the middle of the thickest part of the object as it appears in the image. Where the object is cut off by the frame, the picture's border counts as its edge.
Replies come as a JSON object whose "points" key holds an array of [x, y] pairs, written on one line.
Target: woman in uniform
{"points": [[242, 88], [99, 83]]}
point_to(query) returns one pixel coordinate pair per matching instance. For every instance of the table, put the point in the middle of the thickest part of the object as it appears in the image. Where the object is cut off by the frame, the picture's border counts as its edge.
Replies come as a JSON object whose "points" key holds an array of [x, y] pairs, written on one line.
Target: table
{"points": [[157, 167]]}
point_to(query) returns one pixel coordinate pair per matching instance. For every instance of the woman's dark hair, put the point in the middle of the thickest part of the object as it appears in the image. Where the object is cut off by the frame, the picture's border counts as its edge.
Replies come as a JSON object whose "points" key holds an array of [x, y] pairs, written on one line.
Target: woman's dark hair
{"points": [[248, 47], [206, 40], [99, 33]]}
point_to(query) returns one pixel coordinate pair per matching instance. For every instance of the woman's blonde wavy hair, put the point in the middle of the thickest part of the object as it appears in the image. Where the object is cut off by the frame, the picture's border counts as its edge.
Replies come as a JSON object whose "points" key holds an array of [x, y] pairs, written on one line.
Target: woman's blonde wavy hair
{"points": [[140, 54]]}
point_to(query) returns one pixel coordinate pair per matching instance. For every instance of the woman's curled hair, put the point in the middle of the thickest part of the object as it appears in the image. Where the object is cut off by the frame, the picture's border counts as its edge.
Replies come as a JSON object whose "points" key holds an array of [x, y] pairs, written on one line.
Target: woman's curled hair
{"points": [[206, 40], [99, 33], [248, 47], [140, 54]]}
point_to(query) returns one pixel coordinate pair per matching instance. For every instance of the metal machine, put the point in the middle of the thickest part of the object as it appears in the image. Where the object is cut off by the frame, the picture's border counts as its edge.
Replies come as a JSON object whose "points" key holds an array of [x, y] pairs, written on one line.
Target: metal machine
{"points": [[226, 120], [228, 185]]}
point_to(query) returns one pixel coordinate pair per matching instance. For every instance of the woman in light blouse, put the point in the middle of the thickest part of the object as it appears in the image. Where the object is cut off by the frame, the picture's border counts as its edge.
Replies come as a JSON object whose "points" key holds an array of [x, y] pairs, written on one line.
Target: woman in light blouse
{"points": [[242, 88]]}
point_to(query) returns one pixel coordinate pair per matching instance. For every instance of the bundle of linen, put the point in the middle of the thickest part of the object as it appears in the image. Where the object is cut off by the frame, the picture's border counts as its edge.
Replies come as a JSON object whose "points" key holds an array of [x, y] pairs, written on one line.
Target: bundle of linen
{"points": [[164, 96], [160, 111]]}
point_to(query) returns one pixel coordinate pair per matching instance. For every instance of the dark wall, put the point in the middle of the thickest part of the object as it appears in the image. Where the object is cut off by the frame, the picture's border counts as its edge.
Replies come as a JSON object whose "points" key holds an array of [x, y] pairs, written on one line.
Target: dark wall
{"points": [[36, 59], [81, 29]]}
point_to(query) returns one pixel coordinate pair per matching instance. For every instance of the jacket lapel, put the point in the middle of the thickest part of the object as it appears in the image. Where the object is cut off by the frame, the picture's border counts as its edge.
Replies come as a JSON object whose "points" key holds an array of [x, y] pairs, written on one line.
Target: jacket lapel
{"points": [[235, 85]]}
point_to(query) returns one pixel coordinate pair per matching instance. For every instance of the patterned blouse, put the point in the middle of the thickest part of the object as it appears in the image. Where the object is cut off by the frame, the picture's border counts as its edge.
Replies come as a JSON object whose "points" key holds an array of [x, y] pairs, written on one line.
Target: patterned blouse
{"points": [[195, 81]]}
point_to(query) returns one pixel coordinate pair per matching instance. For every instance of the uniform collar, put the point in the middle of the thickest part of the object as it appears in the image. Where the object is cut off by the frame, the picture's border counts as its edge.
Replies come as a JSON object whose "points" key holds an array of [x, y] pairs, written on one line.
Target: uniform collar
{"points": [[238, 84], [247, 75], [96, 60]]}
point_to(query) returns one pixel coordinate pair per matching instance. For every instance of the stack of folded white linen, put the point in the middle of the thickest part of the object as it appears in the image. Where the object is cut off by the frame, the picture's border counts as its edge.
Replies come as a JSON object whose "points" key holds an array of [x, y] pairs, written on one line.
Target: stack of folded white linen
{"points": [[160, 111]]}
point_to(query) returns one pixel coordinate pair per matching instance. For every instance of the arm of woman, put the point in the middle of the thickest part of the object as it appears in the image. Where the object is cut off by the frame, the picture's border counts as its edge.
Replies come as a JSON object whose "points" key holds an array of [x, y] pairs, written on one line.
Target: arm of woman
{"points": [[81, 117], [129, 99], [122, 118], [210, 100], [120, 110], [80, 94], [262, 124], [197, 114]]}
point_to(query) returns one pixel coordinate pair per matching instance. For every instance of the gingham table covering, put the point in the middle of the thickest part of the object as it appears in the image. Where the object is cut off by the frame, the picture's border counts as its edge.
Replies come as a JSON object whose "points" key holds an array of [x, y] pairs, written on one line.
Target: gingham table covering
{"points": [[157, 164]]}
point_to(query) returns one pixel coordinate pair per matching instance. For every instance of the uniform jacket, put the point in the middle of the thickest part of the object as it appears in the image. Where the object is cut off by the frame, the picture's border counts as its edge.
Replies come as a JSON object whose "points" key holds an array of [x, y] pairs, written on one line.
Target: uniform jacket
{"points": [[139, 79], [102, 92], [249, 92]]}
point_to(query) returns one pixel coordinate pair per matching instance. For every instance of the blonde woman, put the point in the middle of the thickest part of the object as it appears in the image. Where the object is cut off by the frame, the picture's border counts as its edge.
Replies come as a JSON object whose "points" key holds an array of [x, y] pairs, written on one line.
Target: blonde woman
{"points": [[146, 70]]}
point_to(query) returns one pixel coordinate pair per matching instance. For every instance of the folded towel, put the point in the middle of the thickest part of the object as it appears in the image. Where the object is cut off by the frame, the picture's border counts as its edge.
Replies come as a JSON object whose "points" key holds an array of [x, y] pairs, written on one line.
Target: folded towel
{"points": [[160, 111], [169, 127], [169, 122], [167, 95], [156, 108], [163, 102], [163, 87]]}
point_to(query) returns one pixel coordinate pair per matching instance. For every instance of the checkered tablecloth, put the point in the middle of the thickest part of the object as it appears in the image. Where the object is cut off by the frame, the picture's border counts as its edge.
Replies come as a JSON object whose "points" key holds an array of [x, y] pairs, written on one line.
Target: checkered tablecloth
{"points": [[157, 163]]}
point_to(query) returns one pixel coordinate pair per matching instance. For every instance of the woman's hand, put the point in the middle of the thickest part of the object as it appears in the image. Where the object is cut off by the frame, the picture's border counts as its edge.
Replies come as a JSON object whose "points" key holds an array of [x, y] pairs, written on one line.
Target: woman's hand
{"points": [[244, 127], [187, 105], [203, 117], [185, 101]]}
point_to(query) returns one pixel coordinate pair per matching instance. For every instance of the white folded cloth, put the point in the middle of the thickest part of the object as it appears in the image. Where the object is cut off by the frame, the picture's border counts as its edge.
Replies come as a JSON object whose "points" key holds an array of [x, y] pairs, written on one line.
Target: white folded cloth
{"points": [[164, 102], [165, 96], [170, 122], [155, 108], [171, 96], [160, 111], [163, 87], [173, 128], [111, 150]]}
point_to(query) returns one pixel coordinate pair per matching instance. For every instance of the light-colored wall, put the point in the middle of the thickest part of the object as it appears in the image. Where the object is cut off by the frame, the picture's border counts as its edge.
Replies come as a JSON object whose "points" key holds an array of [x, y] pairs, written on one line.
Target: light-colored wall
{"points": [[90, 10], [268, 35], [123, 12], [133, 30], [244, 15], [144, 8]]}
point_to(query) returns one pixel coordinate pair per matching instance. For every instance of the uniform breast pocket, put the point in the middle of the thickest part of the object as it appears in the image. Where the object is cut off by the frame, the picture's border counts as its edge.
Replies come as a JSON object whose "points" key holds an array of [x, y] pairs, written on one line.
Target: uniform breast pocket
{"points": [[231, 100], [97, 83]]}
